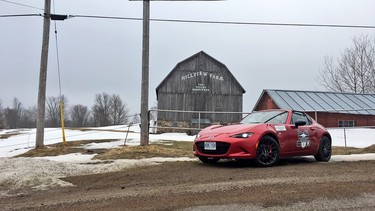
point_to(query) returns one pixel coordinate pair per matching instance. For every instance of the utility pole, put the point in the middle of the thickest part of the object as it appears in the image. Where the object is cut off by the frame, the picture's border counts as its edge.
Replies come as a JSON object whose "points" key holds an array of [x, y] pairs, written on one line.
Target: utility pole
{"points": [[145, 74], [145, 68], [39, 143]]}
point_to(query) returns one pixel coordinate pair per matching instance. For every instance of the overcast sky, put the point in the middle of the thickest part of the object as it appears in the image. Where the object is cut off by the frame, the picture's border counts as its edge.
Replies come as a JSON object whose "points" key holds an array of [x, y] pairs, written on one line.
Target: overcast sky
{"points": [[103, 55]]}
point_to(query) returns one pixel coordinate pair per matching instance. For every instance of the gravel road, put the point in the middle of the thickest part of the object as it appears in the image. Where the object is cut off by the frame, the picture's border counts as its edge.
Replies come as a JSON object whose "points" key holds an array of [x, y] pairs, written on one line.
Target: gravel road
{"points": [[295, 184]]}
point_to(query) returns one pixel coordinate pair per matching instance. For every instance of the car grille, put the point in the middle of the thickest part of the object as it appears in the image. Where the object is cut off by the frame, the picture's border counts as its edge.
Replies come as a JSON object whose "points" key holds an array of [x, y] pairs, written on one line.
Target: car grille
{"points": [[221, 148]]}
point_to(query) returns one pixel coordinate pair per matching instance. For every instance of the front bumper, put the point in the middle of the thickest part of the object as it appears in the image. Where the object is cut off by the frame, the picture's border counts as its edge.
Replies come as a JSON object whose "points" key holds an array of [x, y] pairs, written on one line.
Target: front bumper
{"points": [[233, 148]]}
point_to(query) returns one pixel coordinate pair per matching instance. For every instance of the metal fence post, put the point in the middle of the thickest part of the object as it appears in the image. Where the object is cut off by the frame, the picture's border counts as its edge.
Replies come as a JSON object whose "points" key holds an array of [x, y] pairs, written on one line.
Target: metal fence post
{"points": [[199, 120], [345, 136]]}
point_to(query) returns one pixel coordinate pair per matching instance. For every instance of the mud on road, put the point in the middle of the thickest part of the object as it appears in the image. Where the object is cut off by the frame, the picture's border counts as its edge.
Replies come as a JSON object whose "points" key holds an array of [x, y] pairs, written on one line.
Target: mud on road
{"points": [[292, 185]]}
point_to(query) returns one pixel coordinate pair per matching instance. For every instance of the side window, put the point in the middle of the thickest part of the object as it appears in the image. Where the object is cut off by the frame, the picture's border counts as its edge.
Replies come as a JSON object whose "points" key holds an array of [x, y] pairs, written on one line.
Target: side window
{"points": [[309, 121], [300, 116]]}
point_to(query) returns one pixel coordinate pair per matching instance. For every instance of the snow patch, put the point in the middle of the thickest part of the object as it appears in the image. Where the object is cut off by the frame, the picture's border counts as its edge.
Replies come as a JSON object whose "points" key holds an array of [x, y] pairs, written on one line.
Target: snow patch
{"points": [[43, 173]]}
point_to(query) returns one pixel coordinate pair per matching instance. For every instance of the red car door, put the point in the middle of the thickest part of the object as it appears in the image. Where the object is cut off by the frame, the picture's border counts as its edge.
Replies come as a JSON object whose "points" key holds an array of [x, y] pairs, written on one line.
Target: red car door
{"points": [[300, 138]]}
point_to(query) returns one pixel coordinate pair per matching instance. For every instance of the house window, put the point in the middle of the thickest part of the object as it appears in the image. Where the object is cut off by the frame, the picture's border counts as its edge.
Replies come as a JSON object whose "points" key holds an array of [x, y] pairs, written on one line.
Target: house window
{"points": [[347, 123]]}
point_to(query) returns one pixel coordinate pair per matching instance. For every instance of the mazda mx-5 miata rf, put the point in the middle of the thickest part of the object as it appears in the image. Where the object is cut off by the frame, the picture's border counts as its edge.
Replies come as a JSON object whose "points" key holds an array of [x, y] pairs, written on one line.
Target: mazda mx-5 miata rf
{"points": [[265, 136]]}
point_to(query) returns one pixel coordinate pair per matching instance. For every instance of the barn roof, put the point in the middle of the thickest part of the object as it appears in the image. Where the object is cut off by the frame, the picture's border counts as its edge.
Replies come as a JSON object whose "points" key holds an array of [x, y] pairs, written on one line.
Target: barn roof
{"points": [[201, 53], [352, 103]]}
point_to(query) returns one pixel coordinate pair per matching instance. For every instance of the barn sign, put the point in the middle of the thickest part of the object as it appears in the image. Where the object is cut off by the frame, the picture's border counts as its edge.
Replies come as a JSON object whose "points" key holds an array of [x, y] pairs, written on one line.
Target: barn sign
{"points": [[202, 73]]}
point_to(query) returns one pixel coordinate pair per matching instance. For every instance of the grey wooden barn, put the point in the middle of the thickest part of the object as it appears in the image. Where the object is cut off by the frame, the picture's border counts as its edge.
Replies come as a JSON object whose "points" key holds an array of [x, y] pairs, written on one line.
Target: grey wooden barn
{"points": [[199, 83]]}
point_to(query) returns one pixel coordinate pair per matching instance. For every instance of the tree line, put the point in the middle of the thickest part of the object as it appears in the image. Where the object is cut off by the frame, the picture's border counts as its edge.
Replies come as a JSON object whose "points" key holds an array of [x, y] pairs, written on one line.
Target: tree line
{"points": [[106, 110], [354, 70]]}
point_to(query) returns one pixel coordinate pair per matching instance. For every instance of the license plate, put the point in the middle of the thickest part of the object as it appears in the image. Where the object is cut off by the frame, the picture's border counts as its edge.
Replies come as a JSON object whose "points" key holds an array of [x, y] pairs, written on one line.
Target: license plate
{"points": [[210, 145]]}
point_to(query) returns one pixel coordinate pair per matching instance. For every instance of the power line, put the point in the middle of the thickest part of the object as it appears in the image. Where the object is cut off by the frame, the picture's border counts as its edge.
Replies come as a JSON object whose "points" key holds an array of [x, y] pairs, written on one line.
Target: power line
{"points": [[104, 17], [57, 51], [204, 21], [266, 24], [228, 22], [24, 5], [59, 74]]}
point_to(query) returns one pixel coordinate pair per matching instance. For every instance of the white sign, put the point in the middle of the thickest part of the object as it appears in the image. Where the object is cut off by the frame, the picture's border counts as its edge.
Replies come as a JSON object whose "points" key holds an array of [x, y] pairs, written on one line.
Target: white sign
{"points": [[201, 88], [280, 128], [203, 74]]}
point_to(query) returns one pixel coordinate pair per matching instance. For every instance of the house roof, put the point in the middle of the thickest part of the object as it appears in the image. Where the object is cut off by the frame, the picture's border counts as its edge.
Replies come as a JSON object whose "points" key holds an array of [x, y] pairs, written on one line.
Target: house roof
{"points": [[201, 53], [311, 101]]}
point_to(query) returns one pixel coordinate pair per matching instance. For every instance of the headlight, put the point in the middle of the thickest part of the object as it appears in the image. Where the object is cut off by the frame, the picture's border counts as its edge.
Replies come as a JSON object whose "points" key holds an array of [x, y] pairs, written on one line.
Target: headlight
{"points": [[198, 136], [242, 135]]}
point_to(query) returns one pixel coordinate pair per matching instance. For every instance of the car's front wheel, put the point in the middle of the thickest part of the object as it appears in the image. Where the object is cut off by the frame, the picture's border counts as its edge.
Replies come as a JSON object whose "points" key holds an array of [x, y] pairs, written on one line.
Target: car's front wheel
{"points": [[325, 150], [208, 160], [268, 152]]}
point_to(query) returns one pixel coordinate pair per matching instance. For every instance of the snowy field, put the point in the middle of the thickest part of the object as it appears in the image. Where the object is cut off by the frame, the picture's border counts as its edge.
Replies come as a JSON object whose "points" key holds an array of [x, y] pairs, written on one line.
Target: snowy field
{"points": [[25, 138], [44, 172]]}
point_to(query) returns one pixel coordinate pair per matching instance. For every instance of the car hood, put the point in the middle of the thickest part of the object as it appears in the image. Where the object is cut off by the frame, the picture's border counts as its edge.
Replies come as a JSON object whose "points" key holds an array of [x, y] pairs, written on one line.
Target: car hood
{"points": [[230, 129]]}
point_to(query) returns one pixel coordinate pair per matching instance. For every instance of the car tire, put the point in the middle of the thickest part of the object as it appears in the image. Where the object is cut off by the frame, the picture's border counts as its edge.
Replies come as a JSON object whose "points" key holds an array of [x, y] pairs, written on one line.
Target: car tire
{"points": [[268, 152], [209, 160], [325, 150]]}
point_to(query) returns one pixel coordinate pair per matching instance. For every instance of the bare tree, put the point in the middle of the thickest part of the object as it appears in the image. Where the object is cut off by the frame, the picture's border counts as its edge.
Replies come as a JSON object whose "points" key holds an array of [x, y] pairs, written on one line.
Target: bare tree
{"points": [[12, 115], [354, 70], [28, 117], [119, 111], [53, 110], [136, 118], [101, 109], [79, 115], [371, 65], [109, 110], [2, 120]]}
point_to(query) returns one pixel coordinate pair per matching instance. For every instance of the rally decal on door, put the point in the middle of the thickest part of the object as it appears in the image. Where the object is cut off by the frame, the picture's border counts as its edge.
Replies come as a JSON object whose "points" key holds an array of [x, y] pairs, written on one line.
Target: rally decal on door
{"points": [[303, 139]]}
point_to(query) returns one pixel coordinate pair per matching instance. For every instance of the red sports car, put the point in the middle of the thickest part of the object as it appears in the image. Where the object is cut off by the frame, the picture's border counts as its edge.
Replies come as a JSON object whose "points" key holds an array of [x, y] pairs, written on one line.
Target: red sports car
{"points": [[265, 136]]}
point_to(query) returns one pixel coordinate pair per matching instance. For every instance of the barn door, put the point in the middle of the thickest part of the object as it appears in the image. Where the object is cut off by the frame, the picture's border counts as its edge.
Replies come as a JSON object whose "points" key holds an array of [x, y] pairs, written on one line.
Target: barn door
{"points": [[200, 104]]}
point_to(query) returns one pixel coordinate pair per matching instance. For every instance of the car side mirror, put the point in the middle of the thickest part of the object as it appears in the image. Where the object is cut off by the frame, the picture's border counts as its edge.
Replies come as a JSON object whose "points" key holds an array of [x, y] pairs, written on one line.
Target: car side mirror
{"points": [[300, 123]]}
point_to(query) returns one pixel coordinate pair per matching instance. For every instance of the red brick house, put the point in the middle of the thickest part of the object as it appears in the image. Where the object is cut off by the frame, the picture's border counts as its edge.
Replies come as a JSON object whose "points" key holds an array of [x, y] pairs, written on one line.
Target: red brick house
{"points": [[331, 109]]}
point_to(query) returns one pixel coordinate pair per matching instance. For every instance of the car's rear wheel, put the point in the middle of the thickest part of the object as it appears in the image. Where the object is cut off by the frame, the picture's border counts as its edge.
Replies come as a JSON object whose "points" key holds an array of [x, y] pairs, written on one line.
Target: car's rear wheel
{"points": [[325, 150], [208, 160], [268, 152]]}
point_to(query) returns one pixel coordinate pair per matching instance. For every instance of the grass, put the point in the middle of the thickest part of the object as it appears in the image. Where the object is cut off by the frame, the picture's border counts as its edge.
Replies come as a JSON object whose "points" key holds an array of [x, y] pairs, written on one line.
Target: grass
{"points": [[9, 134], [6, 135], [159, 149], [162, 149], [102, 130], [63, 149], [156, 149], [352, 150]]}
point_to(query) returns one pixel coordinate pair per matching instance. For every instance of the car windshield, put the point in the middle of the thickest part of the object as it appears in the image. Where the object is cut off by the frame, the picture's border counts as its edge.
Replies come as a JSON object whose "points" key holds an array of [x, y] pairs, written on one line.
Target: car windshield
{"points": [[275, 117]]}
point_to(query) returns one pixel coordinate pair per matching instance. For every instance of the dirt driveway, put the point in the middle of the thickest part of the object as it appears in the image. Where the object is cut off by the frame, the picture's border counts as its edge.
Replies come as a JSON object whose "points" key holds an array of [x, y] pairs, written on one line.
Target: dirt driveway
{"points": [[296, 184]]}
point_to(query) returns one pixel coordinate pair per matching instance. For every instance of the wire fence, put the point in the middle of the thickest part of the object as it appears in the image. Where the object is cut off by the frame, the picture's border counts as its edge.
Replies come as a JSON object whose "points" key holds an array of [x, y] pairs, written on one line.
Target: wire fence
{"points": [[190, 121], [353, 136], [342, 136]]}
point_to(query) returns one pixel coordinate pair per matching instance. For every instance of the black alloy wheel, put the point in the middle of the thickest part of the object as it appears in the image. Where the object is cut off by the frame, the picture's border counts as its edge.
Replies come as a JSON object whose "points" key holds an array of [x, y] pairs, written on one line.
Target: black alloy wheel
{"points": [[325, 150], [268, 152]]}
